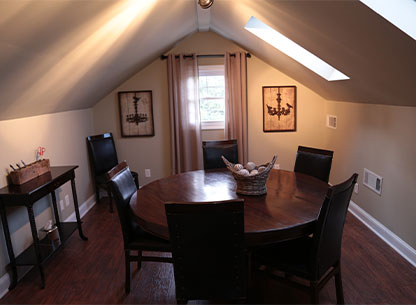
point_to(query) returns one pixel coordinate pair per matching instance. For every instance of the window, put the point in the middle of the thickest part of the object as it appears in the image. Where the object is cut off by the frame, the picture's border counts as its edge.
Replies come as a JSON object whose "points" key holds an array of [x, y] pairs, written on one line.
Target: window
{"points": [[292, 49], [212, 96], [401, 13]]}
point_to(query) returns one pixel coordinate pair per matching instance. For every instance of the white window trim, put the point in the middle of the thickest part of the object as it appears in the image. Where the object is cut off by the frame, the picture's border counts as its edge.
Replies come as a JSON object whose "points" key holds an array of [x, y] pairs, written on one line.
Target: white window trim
{"points": [[211, 125], [209, 70]]}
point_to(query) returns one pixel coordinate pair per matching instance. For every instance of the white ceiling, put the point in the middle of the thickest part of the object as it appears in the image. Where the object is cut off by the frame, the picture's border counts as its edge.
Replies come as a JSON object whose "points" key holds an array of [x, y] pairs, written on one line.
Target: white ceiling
{"points": [[68, 54]]}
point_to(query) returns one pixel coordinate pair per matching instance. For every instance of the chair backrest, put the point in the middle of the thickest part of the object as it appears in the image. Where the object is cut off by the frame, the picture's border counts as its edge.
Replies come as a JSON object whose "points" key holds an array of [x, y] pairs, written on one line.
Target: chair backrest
{"points": [[102, 151], [327, 237], [314, 162], [213, 150], [123, 187], [208, 249]]}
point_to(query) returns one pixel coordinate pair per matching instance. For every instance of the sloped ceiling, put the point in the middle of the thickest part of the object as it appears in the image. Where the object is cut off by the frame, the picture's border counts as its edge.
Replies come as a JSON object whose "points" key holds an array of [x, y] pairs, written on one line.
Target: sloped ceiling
{"points": [[378, 57], [68, 54]]}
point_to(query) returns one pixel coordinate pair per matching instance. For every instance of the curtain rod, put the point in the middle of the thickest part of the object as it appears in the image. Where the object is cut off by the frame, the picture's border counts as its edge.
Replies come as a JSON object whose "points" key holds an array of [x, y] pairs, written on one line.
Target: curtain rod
{"points": [[204, 55]]}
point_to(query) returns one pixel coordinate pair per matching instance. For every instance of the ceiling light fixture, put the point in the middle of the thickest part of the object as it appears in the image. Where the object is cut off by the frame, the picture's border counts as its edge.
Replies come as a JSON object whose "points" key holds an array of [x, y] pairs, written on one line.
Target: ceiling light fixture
{"points": [[205, 3], [292, 49]]}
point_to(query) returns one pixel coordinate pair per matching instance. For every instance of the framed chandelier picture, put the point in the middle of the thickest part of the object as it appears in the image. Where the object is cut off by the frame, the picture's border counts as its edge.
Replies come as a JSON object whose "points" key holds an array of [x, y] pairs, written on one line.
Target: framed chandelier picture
{"points": [[136, 113], [279, 108]]}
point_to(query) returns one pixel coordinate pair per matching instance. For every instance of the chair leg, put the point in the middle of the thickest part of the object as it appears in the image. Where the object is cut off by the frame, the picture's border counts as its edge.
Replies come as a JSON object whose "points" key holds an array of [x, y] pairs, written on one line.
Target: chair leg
{"points": [[136, 181], [128, 273], [110, 199], [97, 194], [314, 292], [338, 286], [139, 261]]}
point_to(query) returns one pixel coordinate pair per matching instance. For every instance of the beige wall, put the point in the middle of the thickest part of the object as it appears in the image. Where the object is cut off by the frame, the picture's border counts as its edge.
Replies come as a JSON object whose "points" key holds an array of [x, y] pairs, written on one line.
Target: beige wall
{"points": [[368, 135], [154, 153], [63, 135], [311, 128], [141, 152], [381, 139]]}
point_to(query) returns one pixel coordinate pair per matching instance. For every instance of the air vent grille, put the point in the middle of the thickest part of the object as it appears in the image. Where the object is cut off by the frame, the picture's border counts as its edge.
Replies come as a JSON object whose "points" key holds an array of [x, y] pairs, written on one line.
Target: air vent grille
{"points": [[372, 181], [331, 121]]}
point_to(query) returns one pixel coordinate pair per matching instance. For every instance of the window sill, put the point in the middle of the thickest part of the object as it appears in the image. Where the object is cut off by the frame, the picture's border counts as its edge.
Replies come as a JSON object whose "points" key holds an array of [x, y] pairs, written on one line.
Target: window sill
{"points": [[213, 125]]}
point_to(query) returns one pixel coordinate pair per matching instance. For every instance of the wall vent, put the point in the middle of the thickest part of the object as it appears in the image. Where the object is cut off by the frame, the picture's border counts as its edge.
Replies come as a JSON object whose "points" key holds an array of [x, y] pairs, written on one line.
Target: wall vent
{"points": [[331, 121], [372, 181]]}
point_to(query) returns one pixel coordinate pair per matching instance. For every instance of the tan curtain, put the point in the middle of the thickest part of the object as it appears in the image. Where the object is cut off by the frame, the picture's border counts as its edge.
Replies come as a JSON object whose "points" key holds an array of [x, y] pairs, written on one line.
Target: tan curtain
{"points": [[184, 113], [236, 102]]}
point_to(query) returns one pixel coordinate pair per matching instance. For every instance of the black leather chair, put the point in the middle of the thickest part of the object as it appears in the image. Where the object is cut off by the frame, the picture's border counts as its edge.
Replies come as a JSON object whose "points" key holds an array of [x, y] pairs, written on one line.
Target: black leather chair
{"points": [[314, 162], [317, 257], [208, 250], [135, 239], [213, 150], [103, 157]]}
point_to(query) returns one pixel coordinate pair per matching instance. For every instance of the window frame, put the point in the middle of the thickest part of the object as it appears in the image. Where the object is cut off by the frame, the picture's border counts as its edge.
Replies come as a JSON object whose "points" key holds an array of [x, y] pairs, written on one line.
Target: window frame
{"points": [[211, 70]]}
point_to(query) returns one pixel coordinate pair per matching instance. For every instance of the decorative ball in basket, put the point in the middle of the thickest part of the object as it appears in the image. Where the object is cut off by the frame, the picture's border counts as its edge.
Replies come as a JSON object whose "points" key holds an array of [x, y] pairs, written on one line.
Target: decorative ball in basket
{"points": [[251, 180]]}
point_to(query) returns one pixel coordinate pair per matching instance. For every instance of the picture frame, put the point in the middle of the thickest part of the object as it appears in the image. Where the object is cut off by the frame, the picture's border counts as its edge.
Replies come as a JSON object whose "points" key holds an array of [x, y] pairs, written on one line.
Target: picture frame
{"points": [[136, 113], [279, 108]]}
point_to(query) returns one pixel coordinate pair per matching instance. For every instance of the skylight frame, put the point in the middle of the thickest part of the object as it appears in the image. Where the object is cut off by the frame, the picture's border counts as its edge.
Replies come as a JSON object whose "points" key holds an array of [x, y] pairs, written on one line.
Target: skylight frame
{"points": [[400, 13], [293, 50]]}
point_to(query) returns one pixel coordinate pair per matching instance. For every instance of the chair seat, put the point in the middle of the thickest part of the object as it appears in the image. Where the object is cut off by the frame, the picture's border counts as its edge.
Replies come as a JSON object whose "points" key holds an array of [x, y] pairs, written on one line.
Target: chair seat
{"points": [[145, 241], [291, 256]]}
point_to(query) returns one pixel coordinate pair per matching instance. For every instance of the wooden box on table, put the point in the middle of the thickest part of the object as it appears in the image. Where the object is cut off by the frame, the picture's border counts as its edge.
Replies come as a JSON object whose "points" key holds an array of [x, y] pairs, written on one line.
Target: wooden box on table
{"points": [[30, 171]]}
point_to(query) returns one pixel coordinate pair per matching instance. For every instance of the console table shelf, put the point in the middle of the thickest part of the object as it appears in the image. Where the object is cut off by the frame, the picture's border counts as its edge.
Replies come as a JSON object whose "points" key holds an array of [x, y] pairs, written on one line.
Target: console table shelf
{"points": [[27, 195], [46, 246]]}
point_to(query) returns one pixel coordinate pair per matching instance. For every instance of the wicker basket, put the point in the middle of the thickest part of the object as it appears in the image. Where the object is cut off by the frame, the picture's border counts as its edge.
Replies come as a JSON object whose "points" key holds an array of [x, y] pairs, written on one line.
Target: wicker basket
{"points": [[251, 185]]}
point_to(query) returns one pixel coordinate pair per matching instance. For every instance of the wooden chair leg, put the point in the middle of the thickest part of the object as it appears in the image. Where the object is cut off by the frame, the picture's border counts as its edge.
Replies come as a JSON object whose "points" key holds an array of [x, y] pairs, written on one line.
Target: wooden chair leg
{"points": [[136, 181], [314, 292], [128, 273], [139, 262], [97, 194], [249, 268], [338, 286], [110, 198]]}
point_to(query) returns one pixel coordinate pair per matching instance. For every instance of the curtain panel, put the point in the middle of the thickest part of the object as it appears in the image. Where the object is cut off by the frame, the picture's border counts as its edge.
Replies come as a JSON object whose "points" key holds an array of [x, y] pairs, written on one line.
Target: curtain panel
{"points": [[235, 74], [185, 120]]}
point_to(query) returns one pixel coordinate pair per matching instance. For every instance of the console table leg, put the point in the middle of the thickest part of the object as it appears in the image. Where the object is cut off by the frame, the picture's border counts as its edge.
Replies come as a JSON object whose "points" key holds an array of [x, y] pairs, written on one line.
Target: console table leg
{"points": [[57, 220], [36, 243], [74, 195], [9, 246]]}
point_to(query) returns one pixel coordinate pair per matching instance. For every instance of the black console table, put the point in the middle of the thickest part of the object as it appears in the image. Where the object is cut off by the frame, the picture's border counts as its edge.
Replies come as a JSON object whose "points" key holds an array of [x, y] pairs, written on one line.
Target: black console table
{"points": [[26, 195]]}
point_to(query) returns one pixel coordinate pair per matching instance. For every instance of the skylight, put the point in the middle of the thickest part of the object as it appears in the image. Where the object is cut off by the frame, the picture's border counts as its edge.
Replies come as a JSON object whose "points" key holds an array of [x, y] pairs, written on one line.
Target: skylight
{"points": [[292, 49], [401, 13]]}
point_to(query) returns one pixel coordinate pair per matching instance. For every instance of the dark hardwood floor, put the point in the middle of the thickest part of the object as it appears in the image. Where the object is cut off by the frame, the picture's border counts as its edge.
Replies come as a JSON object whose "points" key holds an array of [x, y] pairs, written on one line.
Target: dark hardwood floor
{"points": [[93, 272]]}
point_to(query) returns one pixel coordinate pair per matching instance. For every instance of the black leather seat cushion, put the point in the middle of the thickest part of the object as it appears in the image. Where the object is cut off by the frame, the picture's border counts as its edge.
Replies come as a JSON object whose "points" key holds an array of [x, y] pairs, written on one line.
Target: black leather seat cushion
{"points": [[142, 239], [291, 256]]}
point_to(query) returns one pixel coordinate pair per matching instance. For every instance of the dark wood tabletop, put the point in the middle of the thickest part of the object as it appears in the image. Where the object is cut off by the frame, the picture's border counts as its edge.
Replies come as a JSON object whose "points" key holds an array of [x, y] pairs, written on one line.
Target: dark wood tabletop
{"points": [[288, 210]]}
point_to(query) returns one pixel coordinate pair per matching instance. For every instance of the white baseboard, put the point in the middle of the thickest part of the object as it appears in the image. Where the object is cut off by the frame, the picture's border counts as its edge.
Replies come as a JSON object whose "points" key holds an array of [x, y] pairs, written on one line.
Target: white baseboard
{"points": [[4, 284], [5, 280], [83, 209], [400, 246]]}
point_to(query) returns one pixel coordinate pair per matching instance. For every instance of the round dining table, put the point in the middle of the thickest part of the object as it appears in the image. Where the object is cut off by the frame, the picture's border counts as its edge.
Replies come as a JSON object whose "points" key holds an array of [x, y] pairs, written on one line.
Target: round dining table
{"points": [[288, 210]]}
